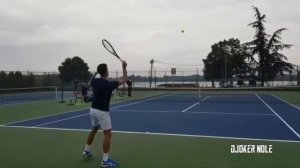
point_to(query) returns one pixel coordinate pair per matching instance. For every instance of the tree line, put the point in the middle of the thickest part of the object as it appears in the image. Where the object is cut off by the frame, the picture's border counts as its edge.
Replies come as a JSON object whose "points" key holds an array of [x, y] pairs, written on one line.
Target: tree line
{"points": [[18, 79], [257, 60]]}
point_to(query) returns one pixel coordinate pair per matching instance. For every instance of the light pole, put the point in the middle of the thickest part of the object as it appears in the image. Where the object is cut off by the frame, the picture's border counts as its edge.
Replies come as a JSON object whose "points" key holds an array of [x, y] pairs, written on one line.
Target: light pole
{"points": [[298, 77], [151, 62], [225, 70]]}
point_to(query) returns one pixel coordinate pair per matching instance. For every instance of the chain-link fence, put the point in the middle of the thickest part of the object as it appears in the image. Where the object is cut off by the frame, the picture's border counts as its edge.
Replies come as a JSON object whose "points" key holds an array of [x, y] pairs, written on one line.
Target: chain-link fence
{"points": [[195, 78], [159, 78]]}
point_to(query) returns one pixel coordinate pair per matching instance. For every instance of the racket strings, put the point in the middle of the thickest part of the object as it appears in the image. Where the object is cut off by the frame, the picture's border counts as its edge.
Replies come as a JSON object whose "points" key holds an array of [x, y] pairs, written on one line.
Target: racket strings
{"points": [[109, 47]]}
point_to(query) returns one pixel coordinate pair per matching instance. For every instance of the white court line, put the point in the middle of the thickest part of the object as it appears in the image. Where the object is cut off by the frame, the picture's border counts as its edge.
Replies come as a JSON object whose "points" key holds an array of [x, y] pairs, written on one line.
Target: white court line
{"points": [[194, 105], [51, 115], [285, 101], [147, 111], [190, 107], [205, 98], [55, 121], [158, 134], [222, 113], [193, 112], [142, 101], [295, 132]]}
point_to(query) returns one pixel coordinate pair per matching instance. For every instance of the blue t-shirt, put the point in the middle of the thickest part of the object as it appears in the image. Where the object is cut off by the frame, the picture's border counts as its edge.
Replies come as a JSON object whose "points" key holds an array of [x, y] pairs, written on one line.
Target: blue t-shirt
{"points": [[102, 91]]}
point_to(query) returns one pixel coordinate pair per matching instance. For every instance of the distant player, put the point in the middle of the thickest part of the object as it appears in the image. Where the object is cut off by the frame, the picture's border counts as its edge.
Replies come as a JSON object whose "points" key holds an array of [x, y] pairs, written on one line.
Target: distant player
{"points": [[99, 112], [129, 86]]}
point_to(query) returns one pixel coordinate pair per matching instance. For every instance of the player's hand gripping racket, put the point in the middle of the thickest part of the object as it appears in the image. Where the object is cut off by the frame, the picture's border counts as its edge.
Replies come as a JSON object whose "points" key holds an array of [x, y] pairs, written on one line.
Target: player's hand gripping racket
{"points": [[110, 49]]}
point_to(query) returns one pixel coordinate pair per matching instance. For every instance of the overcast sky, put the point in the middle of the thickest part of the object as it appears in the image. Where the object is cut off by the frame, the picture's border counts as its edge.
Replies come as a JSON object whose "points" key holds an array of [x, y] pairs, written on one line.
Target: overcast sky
{"points": [[38, 35]]}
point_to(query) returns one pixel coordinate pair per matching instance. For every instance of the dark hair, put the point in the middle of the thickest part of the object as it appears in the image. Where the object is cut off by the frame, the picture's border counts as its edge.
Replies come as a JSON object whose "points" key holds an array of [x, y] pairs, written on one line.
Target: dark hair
{"points": [[101, 69]]}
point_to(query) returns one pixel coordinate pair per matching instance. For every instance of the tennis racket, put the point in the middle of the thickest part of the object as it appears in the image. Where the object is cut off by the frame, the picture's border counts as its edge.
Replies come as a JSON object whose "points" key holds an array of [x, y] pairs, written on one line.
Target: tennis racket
{"points": [[110, 49]]}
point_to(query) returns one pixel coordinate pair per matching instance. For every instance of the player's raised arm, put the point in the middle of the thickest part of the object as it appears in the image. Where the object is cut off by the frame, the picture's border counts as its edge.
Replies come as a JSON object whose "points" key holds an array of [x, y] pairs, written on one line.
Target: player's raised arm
{"points": [[124, 79]]}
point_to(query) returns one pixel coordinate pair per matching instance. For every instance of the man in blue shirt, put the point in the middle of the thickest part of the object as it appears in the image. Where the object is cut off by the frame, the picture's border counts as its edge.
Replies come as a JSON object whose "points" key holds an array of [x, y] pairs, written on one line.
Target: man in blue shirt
{"points": [[99, 111]]}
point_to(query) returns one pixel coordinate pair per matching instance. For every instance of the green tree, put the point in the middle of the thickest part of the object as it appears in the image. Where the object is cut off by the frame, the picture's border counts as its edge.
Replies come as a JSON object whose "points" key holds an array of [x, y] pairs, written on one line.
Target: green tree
{"points": [[3, 79], [226, 60], [74, 69], [10, 80], [270, 61], [47, 79], [29, 80], [18, 80]]}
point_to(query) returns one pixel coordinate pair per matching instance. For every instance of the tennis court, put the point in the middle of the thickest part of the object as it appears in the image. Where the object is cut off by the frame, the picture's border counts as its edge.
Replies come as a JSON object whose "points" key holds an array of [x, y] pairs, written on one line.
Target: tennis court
{"points": [[156, 129], [233, 116]]}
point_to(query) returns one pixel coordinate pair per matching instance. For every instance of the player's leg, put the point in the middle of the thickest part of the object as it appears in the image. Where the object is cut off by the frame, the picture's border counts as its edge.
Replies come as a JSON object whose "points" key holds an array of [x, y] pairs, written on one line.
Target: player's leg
{"points": [[106, 143], [92, 135], [105, 123], [90, 139]]}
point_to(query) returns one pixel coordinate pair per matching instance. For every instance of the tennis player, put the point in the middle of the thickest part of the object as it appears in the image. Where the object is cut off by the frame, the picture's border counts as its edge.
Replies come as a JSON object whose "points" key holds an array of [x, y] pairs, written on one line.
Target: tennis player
{"points": [[129, 85], [99, 112]]}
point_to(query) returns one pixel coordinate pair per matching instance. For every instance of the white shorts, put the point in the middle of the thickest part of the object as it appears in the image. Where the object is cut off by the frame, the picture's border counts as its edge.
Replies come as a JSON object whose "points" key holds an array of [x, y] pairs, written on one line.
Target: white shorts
{"points": [[100, 118]]}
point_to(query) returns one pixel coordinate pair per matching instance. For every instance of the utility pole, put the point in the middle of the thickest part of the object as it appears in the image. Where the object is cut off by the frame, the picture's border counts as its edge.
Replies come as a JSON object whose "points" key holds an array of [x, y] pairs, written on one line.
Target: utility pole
{"points": [[225, 70], [151, 62], [298, 77], [197, 79]]}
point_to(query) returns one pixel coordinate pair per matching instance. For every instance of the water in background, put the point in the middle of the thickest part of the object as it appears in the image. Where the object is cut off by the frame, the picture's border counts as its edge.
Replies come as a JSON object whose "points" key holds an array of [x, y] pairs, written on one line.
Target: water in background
{"points": [[208, 84]]}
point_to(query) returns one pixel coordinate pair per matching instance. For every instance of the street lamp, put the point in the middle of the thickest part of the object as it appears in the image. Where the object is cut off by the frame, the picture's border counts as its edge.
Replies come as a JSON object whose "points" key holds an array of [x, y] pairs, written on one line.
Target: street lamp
{"points": [[225, 70], [151, 62]]}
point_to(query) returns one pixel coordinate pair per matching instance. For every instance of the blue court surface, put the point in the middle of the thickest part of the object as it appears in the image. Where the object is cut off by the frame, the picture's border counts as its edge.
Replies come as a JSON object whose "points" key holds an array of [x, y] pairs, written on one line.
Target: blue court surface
{"points": [[247, 116]]}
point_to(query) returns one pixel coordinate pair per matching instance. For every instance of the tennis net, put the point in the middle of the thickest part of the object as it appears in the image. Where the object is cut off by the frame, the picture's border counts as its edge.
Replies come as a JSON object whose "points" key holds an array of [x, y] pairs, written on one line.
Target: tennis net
{"points": [[15, 95], [217, 95]]}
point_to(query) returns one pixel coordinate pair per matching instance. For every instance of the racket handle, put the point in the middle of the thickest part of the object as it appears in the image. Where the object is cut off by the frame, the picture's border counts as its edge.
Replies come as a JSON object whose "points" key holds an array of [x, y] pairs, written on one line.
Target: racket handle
{"points": [[120, 59]]}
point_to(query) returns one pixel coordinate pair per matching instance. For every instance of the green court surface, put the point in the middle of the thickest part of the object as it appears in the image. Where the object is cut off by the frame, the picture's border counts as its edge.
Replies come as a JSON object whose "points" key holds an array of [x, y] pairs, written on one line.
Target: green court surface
{"points": [[25, 147]]}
